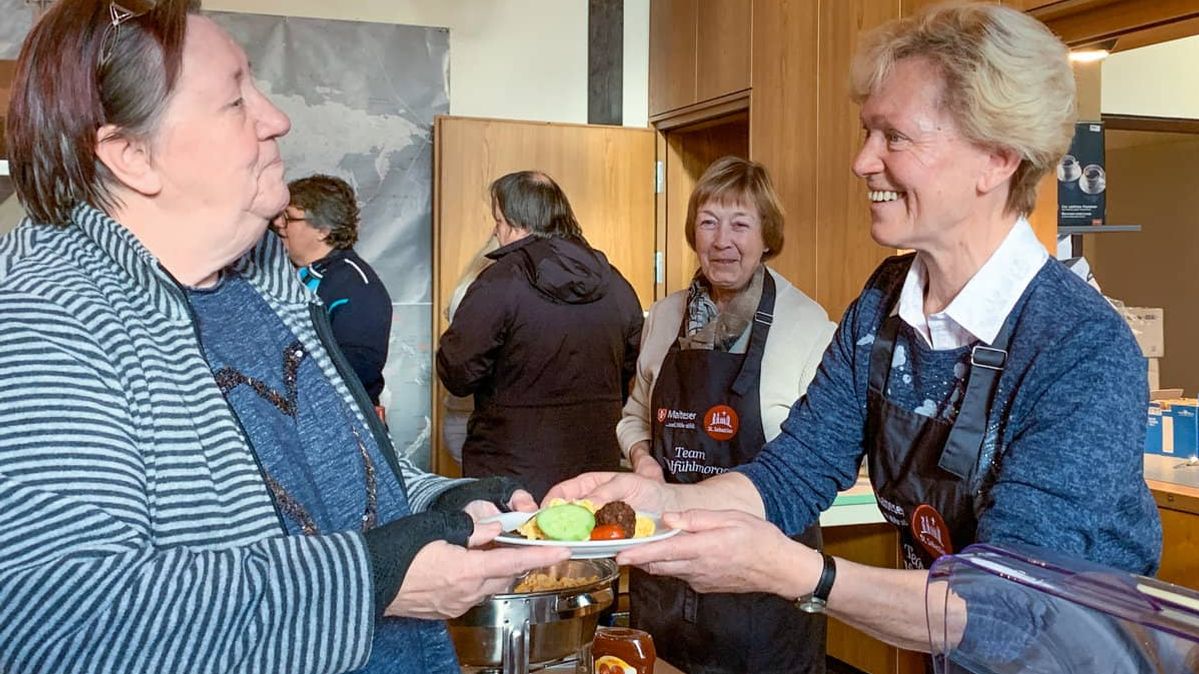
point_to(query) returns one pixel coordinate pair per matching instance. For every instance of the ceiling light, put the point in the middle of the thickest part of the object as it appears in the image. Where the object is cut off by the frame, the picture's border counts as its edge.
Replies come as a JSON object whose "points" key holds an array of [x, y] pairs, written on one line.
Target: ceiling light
{"points": [[1089, 55]]}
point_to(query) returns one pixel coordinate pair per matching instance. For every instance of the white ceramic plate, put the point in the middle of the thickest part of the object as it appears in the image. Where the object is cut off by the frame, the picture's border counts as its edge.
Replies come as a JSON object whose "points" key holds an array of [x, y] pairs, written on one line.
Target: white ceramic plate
{"points": [[578, 549]]}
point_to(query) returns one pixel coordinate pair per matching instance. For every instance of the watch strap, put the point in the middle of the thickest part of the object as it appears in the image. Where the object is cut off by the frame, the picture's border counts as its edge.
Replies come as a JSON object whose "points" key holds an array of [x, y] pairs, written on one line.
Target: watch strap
{"points": [[818, 600]]}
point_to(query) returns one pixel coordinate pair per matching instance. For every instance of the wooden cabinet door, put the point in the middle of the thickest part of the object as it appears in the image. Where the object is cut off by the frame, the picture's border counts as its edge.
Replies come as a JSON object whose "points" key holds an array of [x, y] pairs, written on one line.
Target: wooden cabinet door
{"points": [[783, 126], [847, 253], [722, 47], [672, 31], [607, 173]]}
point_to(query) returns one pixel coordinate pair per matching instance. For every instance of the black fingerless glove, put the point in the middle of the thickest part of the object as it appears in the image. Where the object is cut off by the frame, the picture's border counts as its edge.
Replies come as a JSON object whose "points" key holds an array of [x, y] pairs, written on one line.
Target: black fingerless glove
{"points": [[393, 546], [496, 490]]}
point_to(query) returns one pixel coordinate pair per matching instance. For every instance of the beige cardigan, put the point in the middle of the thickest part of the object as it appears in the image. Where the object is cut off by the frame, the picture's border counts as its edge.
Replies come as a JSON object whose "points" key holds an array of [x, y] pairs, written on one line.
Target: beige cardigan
{"points": [[796, 343]]}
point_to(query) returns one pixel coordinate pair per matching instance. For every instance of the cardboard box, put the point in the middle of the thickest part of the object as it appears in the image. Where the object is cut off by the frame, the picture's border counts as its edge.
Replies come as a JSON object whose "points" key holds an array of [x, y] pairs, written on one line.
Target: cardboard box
{"points": [[1154, 431], [1148, 326], [1173, 426], [1185, 421], [1082, 178]]}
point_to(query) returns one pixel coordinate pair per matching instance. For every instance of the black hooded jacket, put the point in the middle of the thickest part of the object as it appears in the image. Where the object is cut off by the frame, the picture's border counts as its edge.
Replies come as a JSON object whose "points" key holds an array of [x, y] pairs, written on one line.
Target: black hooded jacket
{"points": [[546, 340]]}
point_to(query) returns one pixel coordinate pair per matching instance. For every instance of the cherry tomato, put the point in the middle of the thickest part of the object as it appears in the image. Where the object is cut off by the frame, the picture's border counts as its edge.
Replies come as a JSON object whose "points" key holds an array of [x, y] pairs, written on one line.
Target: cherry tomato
{"points": [[607, 532]]}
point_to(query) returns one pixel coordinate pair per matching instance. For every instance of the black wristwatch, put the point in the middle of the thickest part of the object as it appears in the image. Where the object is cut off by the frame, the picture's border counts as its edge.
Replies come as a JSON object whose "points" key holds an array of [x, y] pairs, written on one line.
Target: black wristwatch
{"points": [[818, 600]]}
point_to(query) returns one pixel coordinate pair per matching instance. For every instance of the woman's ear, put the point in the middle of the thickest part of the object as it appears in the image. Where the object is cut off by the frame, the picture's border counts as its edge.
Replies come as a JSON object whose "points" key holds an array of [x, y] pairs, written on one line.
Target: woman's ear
{"points": [[1000, 167], [128, 159]]}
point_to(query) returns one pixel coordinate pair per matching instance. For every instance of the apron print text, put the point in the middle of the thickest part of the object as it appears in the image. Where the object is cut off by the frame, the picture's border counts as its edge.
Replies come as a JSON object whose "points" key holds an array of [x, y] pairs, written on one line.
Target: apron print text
{"points": [[689, 461], [677, 418]]}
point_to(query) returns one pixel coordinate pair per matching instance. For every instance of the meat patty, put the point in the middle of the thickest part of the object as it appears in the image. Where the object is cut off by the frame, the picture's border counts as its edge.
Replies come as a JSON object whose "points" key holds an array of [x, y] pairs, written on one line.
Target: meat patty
{"points": [[620, 514]]}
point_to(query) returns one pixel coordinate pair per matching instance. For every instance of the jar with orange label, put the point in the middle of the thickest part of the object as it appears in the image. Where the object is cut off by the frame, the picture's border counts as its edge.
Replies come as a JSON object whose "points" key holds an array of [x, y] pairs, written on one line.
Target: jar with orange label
{"points": [[621, 650]]}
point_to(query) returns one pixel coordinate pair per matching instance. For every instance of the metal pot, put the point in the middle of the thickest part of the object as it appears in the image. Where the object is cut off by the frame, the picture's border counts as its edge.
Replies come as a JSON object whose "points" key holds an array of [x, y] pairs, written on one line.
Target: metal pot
{"points": [[515, 631]]}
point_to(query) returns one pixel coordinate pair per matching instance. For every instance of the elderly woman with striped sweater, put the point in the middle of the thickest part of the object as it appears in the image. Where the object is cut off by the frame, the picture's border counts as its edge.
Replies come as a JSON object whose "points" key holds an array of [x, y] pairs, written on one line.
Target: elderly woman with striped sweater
{"points": [[190, 478]]}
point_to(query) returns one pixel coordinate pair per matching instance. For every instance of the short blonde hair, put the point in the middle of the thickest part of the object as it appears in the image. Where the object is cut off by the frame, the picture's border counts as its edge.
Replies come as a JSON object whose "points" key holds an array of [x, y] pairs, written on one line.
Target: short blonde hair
{"points": [[1007, 81], [736, 180]]}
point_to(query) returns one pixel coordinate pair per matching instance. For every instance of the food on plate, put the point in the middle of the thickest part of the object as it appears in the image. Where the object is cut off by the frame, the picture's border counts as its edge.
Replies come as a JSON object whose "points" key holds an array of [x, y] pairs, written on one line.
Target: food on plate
{"points": [[566, 522], [620, 514], [544, 582], [645, 527], [608, 532], [576, 527]]}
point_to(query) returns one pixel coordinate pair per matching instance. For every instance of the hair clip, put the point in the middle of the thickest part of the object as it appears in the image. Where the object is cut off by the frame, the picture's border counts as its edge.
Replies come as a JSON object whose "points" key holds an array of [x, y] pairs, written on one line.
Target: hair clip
{"points": [[117, 15]]}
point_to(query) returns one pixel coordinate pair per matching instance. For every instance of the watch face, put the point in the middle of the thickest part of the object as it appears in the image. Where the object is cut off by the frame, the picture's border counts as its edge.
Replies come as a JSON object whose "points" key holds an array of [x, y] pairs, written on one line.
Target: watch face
{"points": [[812, 604]]}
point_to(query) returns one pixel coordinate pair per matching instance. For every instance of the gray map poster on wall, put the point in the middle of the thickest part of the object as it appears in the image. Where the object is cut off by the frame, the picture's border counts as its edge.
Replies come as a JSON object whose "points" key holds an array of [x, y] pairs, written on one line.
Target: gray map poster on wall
{"points": [[361, 97]]}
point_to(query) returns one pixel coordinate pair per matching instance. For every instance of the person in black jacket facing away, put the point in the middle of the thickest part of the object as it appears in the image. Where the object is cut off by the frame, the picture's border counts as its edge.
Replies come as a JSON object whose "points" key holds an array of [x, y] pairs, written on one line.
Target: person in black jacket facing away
{"points": [[546, 340], [319, 229]]}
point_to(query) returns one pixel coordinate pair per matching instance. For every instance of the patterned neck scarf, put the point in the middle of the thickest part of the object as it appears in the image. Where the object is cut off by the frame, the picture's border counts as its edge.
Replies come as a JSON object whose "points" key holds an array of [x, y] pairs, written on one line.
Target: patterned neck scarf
{"points": [[709, 328]]}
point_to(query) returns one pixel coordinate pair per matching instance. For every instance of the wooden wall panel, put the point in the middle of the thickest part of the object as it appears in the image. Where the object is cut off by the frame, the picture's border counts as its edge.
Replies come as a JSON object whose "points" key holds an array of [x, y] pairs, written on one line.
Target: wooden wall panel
{"points": [[847, 253], [672, 23], [876, 545], [688, 155], [8, 70], [1026, 5], [1180, 548], [722, 47], [606, 171], [782, 126], [1080, 22]]}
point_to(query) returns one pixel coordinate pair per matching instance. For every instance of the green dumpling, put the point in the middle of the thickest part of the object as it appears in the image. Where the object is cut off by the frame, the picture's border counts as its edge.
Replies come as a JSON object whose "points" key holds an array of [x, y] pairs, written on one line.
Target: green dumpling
{"points": [[566, 522]]}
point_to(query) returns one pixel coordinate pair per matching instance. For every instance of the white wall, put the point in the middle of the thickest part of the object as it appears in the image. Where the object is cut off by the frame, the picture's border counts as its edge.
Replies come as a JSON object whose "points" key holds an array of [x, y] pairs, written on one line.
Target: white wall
{"points": [[1156, 81], [514, 59]]}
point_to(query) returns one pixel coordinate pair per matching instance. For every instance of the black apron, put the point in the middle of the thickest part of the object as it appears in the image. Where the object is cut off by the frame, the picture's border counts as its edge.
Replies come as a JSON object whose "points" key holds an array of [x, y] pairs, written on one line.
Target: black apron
{"points": [[707, 418], [922, 468]]}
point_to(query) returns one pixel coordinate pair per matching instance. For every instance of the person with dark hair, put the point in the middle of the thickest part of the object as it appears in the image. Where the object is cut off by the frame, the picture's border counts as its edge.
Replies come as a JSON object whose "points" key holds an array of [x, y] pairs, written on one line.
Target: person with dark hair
{"points": [[319, 229], [187, 483], [546, 341]]}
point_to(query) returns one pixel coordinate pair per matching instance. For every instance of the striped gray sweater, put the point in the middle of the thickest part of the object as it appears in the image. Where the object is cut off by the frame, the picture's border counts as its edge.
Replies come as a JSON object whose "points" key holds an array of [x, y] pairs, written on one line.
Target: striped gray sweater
{"points": [[136, 533]]}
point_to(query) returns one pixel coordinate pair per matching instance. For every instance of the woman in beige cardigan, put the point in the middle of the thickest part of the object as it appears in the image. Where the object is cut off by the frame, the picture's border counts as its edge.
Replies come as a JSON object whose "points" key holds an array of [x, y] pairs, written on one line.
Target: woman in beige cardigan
{"points": [[721, 364]]}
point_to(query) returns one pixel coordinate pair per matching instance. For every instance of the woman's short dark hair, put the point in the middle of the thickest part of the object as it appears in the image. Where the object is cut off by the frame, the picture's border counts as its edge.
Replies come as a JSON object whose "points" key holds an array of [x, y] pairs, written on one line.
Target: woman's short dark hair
{"points": [[329, 204], [532, 200], [62, 95], [731, 180]]}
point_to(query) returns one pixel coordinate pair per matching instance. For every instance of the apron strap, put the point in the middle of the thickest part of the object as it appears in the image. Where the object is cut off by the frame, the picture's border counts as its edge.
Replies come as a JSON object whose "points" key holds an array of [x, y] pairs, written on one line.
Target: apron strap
{"points": [[964, 444], [751, 367], [880, 354]]}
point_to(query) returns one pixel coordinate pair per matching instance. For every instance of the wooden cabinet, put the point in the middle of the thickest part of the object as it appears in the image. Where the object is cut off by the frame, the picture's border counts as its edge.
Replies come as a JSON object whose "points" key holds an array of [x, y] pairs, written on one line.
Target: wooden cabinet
{"points": [[672, 27], [1179, 509], [876, 545], [794, 55], [1083, 22], [722, 48], [699, 51]]}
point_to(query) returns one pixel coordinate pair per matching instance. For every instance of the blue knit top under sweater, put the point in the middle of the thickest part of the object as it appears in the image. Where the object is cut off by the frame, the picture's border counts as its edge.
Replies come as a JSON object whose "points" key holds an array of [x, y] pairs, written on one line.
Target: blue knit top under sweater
{"points": [[304, 442], [1066, 429]]}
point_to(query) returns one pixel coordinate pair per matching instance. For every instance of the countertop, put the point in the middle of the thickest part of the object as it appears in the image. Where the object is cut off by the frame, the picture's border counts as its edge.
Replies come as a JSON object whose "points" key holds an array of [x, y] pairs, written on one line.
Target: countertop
{"points": [[1171, 471], [1169, 475], [857, 505]]}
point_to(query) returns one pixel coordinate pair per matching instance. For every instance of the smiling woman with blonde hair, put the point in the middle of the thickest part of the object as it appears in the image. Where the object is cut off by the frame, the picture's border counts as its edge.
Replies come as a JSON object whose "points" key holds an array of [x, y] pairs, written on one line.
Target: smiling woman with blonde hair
{"points": [[994, 395]]}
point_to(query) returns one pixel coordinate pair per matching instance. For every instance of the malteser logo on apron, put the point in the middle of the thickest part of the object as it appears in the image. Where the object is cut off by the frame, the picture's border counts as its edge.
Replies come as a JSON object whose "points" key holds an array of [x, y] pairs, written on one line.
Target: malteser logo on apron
{"points": [[721, 422], [930, 530], [681, 419]]}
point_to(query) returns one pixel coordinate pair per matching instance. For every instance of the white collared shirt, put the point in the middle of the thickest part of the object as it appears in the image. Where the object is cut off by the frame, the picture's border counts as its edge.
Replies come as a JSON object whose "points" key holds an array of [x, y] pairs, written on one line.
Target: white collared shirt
{"points": [[980, 308]]}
